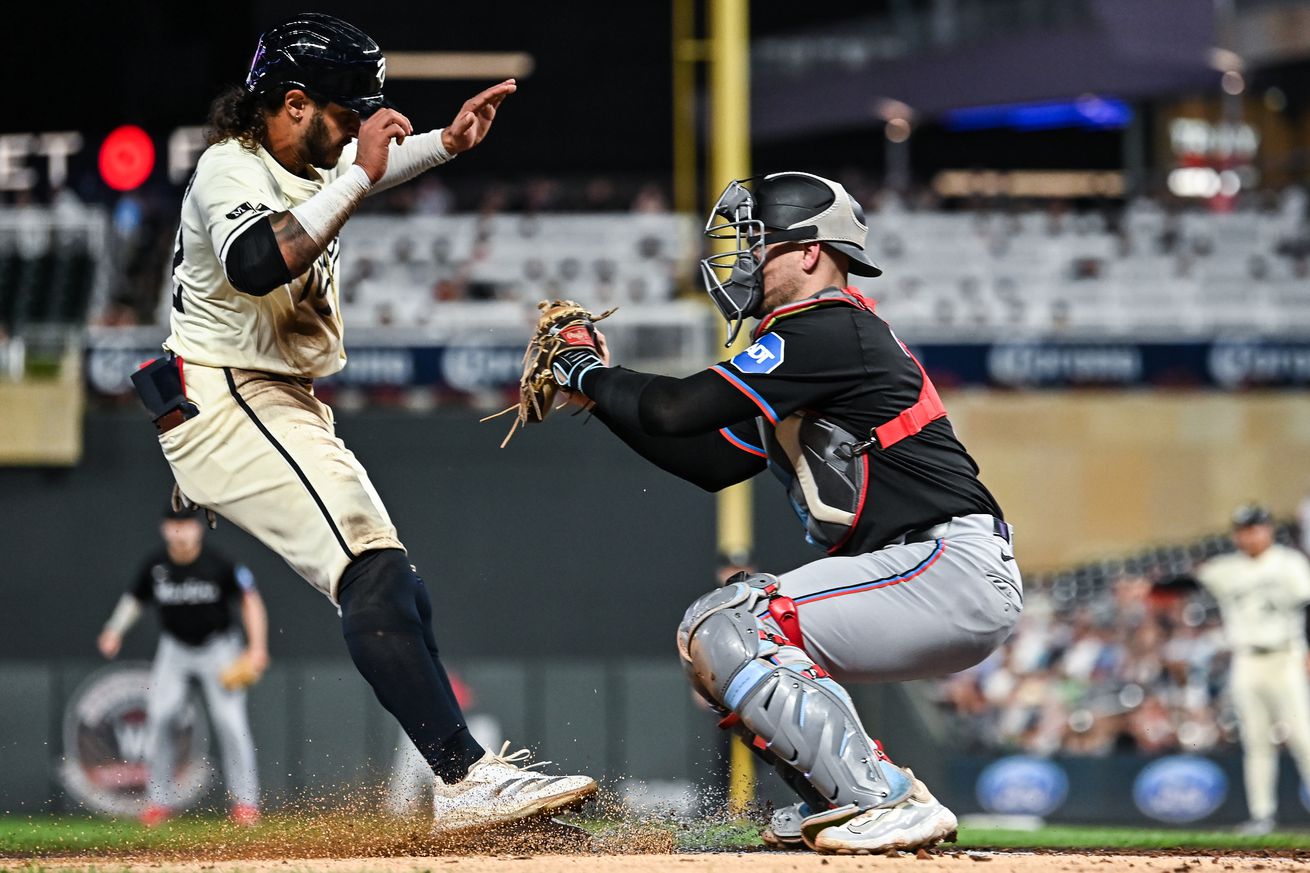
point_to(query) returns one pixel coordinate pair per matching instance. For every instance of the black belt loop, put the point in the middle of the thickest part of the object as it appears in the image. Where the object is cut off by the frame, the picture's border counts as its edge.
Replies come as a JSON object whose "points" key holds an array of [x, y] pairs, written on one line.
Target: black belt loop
{"points": [[1002, 530]]}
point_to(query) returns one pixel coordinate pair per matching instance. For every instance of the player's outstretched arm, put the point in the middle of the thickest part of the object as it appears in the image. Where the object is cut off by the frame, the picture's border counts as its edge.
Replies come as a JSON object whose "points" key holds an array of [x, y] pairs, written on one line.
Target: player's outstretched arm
{"points": [[474, 118], [707, 461], [664, 406], [422, 151]]}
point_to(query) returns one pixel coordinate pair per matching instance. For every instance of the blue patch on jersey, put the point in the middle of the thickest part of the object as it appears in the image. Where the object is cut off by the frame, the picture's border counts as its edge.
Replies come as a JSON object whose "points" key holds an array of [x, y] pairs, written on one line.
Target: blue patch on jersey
{"points": [[245, 579], [763, 357]]}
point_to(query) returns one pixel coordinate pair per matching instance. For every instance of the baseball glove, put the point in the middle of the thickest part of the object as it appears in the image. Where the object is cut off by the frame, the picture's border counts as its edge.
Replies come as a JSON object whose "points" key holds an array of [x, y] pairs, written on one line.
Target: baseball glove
{"points": [[241, 673], [564, 329]]}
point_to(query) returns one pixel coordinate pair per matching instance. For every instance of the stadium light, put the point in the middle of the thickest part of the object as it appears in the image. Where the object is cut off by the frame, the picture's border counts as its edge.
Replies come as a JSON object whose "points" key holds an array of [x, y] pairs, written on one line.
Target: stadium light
{"points": [[459, 65], [1194, 182]]}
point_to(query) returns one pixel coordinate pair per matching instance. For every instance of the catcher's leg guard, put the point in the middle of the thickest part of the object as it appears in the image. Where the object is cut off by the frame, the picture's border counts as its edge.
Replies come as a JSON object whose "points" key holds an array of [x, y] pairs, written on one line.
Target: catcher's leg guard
{"points": [[789, 703]]}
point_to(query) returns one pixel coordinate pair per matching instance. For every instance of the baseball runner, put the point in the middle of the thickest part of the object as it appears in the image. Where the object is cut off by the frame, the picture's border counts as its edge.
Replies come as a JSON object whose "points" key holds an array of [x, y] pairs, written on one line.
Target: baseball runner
{"points": [[193, 588], [256, 319], [1262, 590], [920, 578]]}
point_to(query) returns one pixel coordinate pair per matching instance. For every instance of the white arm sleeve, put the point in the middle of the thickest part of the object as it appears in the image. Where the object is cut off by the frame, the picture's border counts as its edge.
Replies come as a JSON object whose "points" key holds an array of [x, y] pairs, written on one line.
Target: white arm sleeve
{"points": [[421, 151], [323, 214], [124, 615]]}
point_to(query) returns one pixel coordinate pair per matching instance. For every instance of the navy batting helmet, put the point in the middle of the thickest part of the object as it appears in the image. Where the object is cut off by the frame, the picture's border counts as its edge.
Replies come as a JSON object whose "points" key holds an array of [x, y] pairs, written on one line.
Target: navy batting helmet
{"points": [[324, 56]]}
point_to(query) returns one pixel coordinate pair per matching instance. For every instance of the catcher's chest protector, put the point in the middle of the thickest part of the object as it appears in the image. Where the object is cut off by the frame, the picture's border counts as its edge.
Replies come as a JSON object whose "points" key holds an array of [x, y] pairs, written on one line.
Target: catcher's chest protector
{"points": [[824, 467], [825, 479]]}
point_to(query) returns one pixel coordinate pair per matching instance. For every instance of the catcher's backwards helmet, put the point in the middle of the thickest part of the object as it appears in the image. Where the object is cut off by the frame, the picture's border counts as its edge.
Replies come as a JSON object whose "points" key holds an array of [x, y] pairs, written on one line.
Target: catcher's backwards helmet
{"points": [[779, 207], [324, 56]]}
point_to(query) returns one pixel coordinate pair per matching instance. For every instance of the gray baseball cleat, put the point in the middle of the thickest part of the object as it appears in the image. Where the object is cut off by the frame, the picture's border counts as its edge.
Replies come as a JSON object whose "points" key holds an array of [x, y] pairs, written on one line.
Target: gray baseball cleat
{"points": [[497, 790], [784, 830], [919, 821]]}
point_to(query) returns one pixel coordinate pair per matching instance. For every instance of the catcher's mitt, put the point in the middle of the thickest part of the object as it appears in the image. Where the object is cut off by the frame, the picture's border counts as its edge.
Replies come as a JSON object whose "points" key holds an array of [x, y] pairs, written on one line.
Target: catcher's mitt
{"points": [[241, 673], [563, 324]]}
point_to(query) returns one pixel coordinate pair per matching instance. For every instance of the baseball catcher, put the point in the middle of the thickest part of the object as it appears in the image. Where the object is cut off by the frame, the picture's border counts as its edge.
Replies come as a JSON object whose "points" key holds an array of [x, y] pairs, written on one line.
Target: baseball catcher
{"points": [[919, 578], [565, 337]]}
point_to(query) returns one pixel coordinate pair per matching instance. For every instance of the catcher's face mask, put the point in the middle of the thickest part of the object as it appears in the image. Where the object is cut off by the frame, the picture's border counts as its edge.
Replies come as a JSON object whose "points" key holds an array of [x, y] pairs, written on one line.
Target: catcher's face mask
{"points": [[732, 278], [779, 207]]}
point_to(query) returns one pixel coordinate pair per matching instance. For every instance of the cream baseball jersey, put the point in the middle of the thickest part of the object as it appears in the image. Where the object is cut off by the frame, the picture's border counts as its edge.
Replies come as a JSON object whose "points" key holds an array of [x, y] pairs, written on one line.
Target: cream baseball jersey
{"points": [[295, 329], [1261, 599]]}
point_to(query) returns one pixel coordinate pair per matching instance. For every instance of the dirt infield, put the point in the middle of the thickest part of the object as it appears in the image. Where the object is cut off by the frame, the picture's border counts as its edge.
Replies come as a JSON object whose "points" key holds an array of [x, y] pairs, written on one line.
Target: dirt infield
{"points": [[340, 842], [751, 862]]}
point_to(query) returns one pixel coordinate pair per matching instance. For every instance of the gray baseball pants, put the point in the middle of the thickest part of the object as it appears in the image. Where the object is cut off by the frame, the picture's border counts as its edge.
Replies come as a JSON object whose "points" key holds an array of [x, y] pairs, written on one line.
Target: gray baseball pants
{"points": [[910, 610], [175, 663]]}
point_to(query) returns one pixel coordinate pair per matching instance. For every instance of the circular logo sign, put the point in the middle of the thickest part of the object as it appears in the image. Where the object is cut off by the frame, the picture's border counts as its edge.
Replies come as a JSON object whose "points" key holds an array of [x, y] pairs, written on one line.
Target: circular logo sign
{"points": [[1022, 785], [105, 744], [1180, 789], [127, 156]]}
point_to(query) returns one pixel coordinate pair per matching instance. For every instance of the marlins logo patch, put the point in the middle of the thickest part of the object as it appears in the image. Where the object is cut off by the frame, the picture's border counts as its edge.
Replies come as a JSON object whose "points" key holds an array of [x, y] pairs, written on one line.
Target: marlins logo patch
{"points": [[763, 357]]}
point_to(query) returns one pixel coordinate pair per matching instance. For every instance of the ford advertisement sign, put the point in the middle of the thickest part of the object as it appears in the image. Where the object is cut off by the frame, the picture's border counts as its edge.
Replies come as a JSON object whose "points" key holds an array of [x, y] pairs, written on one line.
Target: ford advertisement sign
{"points": [[1022, 785], [1180, 789]]}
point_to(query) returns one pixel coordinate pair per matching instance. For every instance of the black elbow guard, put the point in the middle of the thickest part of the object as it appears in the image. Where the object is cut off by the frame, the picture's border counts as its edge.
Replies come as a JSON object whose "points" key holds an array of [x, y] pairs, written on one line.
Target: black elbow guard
{"points": [[254, 262]]}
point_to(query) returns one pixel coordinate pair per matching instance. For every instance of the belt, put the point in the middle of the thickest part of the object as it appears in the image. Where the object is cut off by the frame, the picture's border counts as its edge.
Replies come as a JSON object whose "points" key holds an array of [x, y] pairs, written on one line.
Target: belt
{"points": [[960, 524], [170, 420], [1265, 650]]}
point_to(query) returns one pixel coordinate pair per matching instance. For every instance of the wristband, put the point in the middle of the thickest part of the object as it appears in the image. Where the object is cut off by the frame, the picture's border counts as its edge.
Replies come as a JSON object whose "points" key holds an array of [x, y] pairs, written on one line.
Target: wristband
{"points": [[322, 215]]}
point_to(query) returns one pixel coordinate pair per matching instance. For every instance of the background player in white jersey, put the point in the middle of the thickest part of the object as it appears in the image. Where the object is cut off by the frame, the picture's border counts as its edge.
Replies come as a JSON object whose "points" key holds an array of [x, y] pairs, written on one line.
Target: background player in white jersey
{"points": [[193, 588], [1262, 590], [256, 318]]}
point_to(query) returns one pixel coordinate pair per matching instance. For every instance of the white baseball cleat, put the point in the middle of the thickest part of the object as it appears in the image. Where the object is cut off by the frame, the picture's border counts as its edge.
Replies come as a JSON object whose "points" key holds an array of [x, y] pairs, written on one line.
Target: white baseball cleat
{"points": [[498, 790], [919, 821], [784, 830]]}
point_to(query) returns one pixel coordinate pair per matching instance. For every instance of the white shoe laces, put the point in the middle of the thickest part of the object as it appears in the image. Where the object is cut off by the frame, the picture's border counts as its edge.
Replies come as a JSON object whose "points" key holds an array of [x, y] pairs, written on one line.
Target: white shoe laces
{"points": [[514, 759]]}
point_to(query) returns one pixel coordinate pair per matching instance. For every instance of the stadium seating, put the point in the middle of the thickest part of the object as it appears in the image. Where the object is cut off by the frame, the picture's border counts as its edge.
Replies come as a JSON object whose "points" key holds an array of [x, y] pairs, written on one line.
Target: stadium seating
{"points": [[50, 268], [1140, 272], [410, 271], [984, 275]]}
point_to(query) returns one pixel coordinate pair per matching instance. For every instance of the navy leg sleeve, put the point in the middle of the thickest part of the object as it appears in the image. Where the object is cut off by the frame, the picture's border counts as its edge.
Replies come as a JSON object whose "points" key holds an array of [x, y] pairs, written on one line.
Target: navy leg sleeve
{"points": [[386, 618]]}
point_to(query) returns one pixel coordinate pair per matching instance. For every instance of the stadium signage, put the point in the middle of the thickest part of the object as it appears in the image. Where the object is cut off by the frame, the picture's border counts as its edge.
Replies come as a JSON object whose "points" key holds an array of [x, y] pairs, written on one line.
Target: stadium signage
{"points": [[1234, 365], [30, 160], [1226, 364], [104, 766], [1030, 365], [1022, 785], [1180, 789]]}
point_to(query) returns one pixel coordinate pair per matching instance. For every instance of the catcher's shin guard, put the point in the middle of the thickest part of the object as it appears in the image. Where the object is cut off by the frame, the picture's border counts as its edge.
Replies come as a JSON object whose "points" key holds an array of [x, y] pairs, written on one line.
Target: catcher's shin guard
{"points": [[782, 697]]}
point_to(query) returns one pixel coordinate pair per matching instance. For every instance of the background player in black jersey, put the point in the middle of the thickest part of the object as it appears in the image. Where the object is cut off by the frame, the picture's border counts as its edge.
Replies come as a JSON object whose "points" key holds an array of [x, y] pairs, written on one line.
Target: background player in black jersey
{"points": [[194, 588], [920, 578]]}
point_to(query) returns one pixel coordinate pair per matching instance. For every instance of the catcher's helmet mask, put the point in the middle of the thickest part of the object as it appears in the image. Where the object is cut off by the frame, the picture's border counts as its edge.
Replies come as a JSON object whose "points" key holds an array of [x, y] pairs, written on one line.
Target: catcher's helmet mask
{"points": [[329, 59], [778, 207]]}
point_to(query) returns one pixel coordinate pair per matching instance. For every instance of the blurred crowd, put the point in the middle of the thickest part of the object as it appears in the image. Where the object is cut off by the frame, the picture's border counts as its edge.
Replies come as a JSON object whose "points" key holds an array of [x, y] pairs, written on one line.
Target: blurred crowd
{"points": [[1143, 670], [1139, 667]]}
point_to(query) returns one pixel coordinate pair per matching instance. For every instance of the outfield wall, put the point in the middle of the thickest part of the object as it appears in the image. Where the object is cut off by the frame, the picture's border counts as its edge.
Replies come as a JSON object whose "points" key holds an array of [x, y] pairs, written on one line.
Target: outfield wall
{"points": [[1087, 474]]}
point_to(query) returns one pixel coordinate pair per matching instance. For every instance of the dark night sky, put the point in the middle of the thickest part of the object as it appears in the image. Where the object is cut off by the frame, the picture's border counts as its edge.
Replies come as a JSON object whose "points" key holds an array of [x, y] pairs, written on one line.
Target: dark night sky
{"points": [[598, 100]]}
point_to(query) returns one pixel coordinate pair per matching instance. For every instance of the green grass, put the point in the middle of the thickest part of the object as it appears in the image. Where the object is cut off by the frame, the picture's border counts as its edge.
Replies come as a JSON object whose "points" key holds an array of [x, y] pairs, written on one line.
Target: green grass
{"points": [[1081, 837], [37, 836], [69, 835]]}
